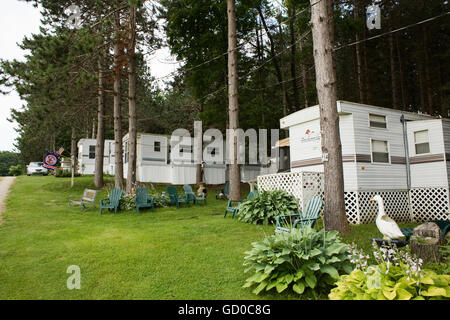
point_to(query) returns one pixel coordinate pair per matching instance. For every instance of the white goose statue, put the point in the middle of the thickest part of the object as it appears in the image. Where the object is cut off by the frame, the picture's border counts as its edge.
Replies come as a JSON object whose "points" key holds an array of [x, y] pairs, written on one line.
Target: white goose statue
{"points": [[387, 226]]}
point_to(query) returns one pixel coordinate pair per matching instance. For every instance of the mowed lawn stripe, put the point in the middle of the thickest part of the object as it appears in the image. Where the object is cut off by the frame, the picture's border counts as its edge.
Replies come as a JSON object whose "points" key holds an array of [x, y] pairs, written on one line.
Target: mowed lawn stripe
{"points": [[186, 253]]}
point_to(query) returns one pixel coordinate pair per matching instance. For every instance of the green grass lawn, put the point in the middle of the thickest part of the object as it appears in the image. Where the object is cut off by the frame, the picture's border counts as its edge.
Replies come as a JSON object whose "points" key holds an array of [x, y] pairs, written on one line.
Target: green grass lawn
{"points": [[186, 253]]}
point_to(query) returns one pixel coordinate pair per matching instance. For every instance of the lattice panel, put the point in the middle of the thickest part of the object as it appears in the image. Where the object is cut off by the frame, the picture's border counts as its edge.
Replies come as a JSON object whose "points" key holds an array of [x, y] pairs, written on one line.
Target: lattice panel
{"points": [[290, 182], [430, 204], [422, 204], [396, 205], [302, 185], [312, 183], [351, 207]]}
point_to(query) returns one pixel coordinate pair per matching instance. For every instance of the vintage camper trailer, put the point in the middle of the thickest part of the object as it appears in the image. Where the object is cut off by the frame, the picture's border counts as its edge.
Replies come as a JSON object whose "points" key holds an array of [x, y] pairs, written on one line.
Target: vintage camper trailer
{"points": [[155, 161], [86, 156], [402, 156]]}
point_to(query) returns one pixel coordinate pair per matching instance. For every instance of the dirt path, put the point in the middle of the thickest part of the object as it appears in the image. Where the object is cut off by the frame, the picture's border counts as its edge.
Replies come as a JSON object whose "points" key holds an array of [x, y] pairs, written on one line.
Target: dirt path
{"points": [[5, 184]]}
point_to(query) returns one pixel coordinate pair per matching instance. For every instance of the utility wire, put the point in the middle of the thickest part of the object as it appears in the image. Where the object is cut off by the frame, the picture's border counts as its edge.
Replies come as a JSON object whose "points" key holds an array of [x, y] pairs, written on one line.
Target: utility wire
{"points": [[392, 31], [262, 29]]}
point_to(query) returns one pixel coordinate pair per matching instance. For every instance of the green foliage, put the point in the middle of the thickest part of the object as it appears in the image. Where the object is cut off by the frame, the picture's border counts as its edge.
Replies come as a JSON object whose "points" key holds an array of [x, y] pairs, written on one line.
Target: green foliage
{"points": [[266, 206], [7, 160], [60, 173], [15, 170], [160, 202], [396, 276], [377, 284], [305, 261], [127, 202]]}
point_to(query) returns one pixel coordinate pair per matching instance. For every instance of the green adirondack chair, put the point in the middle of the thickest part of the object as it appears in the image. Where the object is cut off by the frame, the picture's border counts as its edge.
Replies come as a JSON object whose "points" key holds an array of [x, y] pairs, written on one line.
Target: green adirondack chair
{"points": [[143, 200], [114, 201], [301, 220], [234, 209], [87, 199], [175, 197], [190, 195], [226, 191]]}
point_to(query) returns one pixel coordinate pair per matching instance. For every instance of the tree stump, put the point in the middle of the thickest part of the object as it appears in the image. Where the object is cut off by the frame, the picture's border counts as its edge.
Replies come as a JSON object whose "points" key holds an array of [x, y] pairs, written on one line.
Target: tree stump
{"points": [[425, 242]]}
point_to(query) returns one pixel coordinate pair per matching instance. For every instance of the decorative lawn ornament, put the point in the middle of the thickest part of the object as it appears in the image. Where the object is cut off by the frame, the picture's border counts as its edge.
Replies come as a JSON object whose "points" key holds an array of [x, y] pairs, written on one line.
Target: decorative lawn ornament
{"points": [[52, 158], [373, 17], [386, 225]]}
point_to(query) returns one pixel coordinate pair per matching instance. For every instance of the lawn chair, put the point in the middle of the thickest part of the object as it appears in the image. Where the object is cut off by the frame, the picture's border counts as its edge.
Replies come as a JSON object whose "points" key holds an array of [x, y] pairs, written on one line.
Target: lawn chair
{"points": [[174, 197], [226, 191], [114, 201], [88, 199], [190, 195], [143, 200], [234, 209], [308, 218]]}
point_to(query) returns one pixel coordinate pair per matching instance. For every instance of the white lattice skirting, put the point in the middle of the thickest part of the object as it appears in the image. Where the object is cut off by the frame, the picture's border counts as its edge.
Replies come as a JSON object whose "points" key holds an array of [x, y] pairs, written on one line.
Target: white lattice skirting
{"points": [[419, 204]]}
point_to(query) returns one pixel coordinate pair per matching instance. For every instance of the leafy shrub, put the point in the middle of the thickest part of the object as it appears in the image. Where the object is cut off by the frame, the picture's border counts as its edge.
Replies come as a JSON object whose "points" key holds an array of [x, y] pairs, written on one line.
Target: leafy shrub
{"points": [[127, 202], [266, 206], [396, 276], [303, 260], [60, 173], [161, 202], [15, 170]]}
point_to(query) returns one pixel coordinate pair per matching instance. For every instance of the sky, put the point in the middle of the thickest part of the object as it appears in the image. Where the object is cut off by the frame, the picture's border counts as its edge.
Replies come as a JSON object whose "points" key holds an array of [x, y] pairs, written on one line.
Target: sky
{"points": [[19, 19]]}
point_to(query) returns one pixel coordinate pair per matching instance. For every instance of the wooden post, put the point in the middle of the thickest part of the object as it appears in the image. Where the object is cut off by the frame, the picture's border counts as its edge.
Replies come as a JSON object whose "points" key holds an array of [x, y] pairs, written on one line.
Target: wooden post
{"points": [[73, 150]]}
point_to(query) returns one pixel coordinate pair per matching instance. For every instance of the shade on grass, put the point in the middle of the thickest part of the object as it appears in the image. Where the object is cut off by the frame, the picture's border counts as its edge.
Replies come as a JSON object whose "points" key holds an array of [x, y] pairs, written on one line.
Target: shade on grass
{"points": [[186, 253]]}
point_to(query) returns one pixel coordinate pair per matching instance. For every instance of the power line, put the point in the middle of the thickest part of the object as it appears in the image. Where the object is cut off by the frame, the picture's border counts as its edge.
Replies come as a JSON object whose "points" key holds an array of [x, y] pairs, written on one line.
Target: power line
{"points": [[239, 46], [259, 67], [392, 31]]}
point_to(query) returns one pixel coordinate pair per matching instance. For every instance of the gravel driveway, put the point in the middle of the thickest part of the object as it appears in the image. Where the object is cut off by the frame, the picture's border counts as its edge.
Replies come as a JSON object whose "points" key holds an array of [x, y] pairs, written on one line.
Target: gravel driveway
{"points": [[5, 183]]}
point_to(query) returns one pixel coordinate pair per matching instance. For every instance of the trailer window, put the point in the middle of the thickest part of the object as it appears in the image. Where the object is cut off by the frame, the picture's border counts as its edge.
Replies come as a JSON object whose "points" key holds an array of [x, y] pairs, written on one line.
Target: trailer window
{"points": [[380, 151], [91, 152], [421, 142], [377, 121], [157, 147]]}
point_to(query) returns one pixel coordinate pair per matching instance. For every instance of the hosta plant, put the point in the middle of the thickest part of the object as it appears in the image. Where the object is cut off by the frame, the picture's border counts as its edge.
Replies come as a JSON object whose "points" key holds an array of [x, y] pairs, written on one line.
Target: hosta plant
{"points": [[397, 276], [304, 261], [266, 206]]}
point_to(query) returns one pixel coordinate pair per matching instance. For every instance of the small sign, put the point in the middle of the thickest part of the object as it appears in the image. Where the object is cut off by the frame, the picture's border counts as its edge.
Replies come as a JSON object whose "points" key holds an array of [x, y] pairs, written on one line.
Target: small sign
{"points": [[52, 158]]}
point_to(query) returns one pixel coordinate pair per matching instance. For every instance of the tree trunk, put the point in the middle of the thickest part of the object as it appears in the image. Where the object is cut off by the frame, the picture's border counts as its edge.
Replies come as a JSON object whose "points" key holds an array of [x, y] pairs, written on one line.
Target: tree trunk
{"points": [[402, 77], [293, 58], [261, 75], [233, 104], [278, 69], [304, 78], [118, 178], [73, 151], [323, 42], [429, 93], [132, 131], [356, 14], [423, 107], [367, 76], [100, 146], [393, 70]]}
